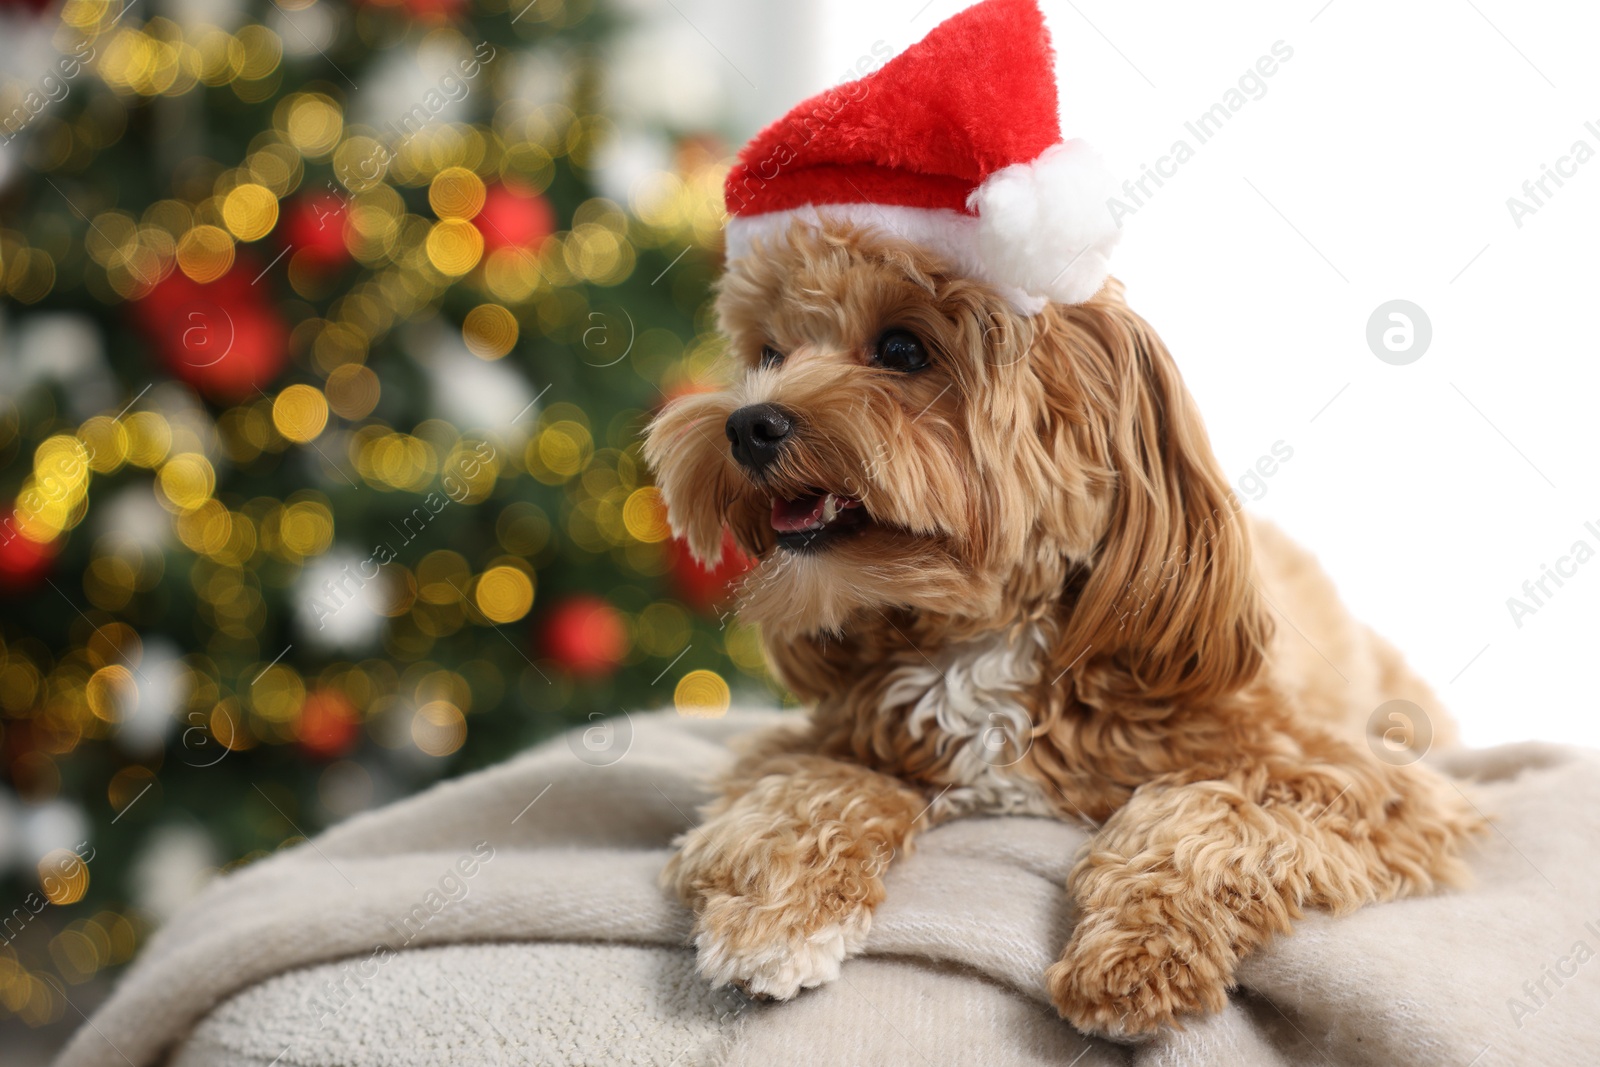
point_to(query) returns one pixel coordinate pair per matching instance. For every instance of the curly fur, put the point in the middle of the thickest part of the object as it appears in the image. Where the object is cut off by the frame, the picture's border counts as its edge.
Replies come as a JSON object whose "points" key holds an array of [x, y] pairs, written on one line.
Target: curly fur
{"points": [[1057, 606]]}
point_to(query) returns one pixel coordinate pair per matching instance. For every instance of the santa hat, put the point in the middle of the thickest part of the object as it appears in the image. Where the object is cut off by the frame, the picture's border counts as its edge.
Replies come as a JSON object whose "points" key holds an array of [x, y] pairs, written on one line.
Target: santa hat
{"points": [[955, 144]]}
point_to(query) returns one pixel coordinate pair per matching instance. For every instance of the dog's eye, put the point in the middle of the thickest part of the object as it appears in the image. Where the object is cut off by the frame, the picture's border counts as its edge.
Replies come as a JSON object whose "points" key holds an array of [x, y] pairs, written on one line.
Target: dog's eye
{"points": [[900, 350], [770, 357]]}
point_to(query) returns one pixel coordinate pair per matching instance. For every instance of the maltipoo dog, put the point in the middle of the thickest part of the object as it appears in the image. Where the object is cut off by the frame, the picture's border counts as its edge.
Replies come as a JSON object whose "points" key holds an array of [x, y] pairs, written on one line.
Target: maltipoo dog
{"points": [[999, 562]]}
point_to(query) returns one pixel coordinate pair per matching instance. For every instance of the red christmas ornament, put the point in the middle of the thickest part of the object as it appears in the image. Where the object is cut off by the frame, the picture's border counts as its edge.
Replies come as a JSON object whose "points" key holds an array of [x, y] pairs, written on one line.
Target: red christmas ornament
{"points": [[313, 227], [328, 726], [23, 562], [225, 338], [514, 216], [585, 636], [34, 6], [708, 589]]}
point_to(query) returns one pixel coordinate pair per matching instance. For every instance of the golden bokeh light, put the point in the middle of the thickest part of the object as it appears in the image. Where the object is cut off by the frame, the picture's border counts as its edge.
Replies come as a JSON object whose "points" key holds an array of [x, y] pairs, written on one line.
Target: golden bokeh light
{"points": [[263, 50], [306, 528], [456, 193], [470, 470], [743, 644], [300, 413], [187, 480], [361, 162], [62, 463], [227, 726], [396, 460], [339, 343], [221, 55], [277, 166], [114, 642], [107, 443], [702, 695], [109, 237], [645, 516], [30, 276], [598, 254], [80, 950], [205, 253], [563, 448], [313, 124], [277, 693], [149, 438], [54, 497], [353, 391], [438, 728], [208, 529], [504, 594], [63, 877], [454, 246], [127, 785], [490, 331], [111, 693], [250, 211]]}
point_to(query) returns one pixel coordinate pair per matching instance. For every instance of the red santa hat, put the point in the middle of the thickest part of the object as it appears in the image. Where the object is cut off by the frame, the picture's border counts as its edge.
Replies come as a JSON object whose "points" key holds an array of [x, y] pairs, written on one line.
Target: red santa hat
{"points": [[955, 144]]}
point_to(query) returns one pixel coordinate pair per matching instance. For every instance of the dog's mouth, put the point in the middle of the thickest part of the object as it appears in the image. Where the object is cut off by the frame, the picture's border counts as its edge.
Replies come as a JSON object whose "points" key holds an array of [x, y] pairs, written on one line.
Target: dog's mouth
{"points": [[816, 519]]}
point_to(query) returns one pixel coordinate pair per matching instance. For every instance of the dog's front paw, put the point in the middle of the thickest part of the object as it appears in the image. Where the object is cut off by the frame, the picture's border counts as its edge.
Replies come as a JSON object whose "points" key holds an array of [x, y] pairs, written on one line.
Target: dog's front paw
{"points": [[1126, 981], [783, 878], [773, 950]]}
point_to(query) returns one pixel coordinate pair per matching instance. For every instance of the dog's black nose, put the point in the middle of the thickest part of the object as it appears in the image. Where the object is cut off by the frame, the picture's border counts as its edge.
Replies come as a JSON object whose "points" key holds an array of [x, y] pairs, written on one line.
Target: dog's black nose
{"points": [[758, 433]]}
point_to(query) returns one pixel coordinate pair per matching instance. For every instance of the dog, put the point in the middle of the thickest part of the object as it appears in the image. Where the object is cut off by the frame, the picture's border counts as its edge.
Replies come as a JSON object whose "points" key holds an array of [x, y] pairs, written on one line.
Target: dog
{"points": [[998, 560]]}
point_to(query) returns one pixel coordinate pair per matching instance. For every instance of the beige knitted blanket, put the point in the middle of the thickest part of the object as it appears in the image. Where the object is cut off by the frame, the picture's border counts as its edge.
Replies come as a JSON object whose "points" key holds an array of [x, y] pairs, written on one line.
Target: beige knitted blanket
{"points": [[513, 917]]}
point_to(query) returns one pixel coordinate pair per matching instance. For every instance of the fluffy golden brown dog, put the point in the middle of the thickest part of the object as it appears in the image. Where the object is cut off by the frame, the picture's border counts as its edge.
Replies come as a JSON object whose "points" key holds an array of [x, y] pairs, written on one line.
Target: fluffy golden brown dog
{"points": [[999, 562]]}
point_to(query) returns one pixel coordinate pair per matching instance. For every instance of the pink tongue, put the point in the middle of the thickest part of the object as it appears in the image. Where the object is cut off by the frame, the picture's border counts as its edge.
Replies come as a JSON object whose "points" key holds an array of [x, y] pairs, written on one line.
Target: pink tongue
{"points": [[802, 514]]}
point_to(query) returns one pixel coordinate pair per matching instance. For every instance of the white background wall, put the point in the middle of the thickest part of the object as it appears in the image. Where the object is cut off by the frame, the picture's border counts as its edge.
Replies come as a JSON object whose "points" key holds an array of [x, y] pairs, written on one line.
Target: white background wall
{"points": [[1376, 167]]}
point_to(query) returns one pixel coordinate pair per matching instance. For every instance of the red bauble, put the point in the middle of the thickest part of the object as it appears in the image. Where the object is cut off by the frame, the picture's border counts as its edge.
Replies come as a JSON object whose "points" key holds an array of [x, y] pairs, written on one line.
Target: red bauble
{"points": [[35, 6], [23, 562], [514, 216], [328, 725], [585, 636], [313, 227], [224, 338], [708, 589]]}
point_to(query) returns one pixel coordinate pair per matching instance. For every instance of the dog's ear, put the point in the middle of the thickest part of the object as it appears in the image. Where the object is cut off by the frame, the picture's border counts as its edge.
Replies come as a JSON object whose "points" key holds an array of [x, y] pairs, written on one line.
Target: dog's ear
{"points": [[1166, 613]]}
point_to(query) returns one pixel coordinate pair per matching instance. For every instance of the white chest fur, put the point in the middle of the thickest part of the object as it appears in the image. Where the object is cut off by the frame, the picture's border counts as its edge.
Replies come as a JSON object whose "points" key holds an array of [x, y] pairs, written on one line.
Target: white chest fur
{"points": [[968, 698]]}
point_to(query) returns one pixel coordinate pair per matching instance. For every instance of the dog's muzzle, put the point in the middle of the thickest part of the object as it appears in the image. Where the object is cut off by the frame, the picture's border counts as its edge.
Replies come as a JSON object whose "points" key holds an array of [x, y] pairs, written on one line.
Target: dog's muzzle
{"points": [[757, 433]]}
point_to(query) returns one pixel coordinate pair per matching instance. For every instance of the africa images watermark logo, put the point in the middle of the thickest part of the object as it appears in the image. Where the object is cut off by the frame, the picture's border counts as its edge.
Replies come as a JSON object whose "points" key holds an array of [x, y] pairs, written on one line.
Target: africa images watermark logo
{"points": [[1399, 332]]}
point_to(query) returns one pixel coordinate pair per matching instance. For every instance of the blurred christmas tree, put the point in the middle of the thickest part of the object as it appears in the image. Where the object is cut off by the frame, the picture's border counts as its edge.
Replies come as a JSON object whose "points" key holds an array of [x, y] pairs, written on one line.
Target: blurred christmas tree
{"points": [[322, 362]]}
